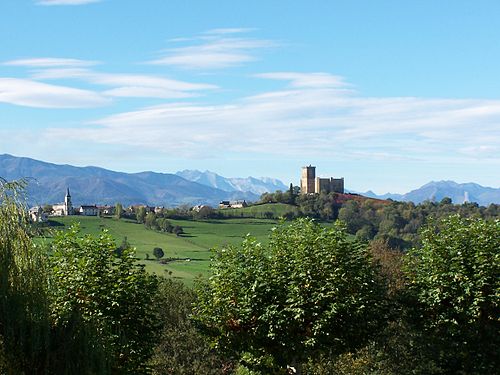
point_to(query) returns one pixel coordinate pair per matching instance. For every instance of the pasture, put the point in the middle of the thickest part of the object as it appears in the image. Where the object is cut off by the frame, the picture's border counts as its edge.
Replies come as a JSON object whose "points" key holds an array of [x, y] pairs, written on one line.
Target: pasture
{"points": [[268, 210], [192, 249]]}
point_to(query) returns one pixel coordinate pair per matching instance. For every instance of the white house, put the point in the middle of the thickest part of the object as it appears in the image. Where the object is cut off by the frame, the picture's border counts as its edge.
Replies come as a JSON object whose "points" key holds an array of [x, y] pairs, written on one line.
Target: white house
{"points": [[89, 210], [37, 215]]}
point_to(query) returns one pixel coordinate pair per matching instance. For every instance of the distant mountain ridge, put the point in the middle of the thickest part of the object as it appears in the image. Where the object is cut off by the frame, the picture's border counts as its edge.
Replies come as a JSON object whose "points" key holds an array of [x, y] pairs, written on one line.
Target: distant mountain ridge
{"points": [[437, 190], [89, 185], [255, 185]]}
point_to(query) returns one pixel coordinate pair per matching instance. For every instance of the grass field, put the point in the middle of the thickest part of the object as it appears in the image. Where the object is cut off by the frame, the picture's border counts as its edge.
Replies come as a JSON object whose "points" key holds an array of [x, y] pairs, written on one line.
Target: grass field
{"points": [[261, 210], [194, 246]]}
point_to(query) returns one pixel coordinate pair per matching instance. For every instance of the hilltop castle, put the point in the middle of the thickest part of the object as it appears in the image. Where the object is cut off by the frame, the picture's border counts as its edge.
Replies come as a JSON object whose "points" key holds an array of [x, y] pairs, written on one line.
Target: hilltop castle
{"points": [[310, 184]]}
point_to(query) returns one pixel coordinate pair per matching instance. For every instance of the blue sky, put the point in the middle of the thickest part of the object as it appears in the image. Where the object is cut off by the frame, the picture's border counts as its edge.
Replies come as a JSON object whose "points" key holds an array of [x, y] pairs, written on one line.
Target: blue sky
{"points": [[387, 94]]}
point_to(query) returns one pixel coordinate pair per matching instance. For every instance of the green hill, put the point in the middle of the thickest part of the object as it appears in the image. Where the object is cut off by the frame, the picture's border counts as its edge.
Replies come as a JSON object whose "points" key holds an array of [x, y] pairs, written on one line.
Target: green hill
{"points": [[267, 210], [191, 250]]}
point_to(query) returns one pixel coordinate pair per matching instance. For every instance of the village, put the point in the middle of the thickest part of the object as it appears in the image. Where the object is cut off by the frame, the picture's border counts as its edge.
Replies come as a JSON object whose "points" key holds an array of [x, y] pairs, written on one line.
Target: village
{"points": [[309, 184], [41, 214]]}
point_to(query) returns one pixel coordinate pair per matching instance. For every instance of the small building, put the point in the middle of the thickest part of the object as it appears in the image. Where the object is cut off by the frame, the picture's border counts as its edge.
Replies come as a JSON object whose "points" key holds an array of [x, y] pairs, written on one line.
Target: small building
{"points": [[198, 207], [106, 210], [37, 215], [89, 210], [239, 204], [224, 204], [233, 204]]}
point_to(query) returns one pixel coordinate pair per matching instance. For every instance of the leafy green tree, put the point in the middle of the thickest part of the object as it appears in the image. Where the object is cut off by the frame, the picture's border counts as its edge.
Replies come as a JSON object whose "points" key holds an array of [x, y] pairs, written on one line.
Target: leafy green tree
{"points": [[205, 212], [454, 278], [118, 211], [181, 349], [150, 221], [123, 246], [101, 300], [291, 194], [178, 230], [311, 290], [140, 214], [164, 225], [24, 311], [158, 253]]}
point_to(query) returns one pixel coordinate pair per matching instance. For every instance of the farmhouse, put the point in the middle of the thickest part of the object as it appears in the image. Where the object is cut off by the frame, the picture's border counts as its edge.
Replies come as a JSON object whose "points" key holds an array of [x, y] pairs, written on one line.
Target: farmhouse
{"points": [[89, 210], [233, 204], [37, 215], [107, 210]]}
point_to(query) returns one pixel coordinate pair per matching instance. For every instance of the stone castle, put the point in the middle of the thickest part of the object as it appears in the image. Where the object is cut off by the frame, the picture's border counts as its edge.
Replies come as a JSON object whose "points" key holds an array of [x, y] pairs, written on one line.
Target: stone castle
{"points": [[310, 184]]}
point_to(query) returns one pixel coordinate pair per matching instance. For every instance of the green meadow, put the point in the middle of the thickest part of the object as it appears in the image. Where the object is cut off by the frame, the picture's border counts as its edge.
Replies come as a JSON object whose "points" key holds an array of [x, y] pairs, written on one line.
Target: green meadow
{"points": [[261, 210], [192, 248]]}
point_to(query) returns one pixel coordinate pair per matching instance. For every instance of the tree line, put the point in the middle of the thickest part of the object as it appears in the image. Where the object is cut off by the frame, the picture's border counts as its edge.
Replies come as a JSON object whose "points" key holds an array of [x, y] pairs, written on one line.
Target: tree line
{"points": [[396, 222]]}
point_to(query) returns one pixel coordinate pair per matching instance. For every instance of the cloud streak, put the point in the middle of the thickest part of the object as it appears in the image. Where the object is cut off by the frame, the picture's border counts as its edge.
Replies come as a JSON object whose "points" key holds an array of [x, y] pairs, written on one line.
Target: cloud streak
{"points": [[66, 2], [215, 49], [33, 93], [50, 62], [311, 118], [30, 93], [129, 85]]}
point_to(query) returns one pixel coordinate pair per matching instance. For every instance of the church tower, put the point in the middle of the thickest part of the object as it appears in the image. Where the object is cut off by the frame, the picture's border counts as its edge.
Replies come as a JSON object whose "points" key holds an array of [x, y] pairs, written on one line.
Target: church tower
{"points": [[68, 207]]}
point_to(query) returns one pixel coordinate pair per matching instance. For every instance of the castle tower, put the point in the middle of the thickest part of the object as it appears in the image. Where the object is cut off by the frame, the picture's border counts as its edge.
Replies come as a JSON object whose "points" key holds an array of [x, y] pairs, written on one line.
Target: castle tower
{"points": [[307, 180], [68, 207]]}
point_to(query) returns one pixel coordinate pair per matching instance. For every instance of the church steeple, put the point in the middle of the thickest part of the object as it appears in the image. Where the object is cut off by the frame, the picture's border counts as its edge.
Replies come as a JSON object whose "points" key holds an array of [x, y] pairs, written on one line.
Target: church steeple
{"points": [[68, 207]]}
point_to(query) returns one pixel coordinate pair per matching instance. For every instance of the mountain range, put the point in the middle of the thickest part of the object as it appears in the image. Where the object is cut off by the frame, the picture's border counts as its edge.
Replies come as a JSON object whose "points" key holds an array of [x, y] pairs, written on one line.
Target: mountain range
{"points": [[47, 183], [437, 190], [255, 185]]}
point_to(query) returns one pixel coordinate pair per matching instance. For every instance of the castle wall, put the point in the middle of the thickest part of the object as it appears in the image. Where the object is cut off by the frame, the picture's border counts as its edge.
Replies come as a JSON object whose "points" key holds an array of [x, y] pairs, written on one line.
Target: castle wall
{"points": [[337, 185], [310, 184]]}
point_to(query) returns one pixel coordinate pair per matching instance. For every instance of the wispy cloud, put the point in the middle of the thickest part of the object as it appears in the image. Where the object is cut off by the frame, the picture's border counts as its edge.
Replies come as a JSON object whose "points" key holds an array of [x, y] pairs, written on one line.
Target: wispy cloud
{"points": [[311, 119], [50, 62], [302, 80], [66, 2], [214, 49], [128, 85], [117, 84], [30, 93], [225, 31]]}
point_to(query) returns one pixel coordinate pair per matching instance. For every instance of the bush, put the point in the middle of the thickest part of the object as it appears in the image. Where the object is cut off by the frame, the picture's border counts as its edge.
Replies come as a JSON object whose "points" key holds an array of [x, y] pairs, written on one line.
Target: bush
{"points": [[158, 253], [282, 304], [454, 280]]}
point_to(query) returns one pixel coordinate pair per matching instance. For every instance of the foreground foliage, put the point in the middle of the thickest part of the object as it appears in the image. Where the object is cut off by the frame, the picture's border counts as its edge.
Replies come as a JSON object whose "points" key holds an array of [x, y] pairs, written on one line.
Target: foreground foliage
{"points": [[310, 291], [109, 296], [455, 280], [80, 311], [181, 349], [24, 313], [311, 299]]}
